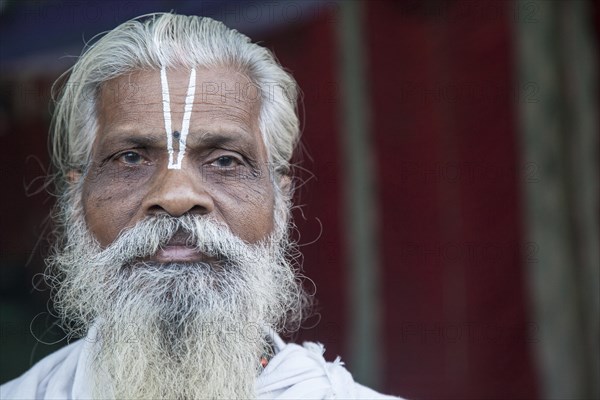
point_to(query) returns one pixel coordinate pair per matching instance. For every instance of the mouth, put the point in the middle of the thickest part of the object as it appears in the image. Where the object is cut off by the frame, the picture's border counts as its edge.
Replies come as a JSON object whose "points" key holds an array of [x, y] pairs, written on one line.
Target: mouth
{"points": [[177, 250], [178, 253]]}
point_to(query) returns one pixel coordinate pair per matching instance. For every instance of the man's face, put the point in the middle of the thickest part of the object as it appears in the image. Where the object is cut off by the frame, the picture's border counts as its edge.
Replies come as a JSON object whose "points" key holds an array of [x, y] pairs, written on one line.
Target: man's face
{"points": [[224, 173]]}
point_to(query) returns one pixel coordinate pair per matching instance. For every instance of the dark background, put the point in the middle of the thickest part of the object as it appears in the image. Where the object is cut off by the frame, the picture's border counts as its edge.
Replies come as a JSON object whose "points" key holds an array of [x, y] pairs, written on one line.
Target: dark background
{"points": [[452, 300]]}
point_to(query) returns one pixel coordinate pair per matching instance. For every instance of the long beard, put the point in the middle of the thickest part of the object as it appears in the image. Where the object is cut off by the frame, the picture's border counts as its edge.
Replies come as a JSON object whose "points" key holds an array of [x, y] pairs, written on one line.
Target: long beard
{"points": [[174, 331]]}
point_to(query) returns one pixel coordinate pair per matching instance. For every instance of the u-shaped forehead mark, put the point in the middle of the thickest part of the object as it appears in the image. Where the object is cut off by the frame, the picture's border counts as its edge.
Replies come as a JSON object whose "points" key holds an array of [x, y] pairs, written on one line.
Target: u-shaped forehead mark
{"points": [[185, 125]]}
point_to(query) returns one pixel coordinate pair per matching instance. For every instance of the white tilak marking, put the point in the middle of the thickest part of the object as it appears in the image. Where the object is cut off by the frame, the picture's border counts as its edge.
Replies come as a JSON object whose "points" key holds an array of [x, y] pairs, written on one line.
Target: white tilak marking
{"points": [[185, 125], [167, 113]]}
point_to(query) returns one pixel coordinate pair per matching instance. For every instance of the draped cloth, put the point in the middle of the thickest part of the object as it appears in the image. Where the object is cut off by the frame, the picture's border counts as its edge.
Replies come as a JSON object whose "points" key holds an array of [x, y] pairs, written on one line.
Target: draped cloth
{"points": [[295, 372]]}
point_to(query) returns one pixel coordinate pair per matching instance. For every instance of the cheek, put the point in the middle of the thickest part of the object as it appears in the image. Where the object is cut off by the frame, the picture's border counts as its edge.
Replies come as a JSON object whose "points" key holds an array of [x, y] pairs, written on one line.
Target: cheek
{"points": [[111, 199], [247, 207]]}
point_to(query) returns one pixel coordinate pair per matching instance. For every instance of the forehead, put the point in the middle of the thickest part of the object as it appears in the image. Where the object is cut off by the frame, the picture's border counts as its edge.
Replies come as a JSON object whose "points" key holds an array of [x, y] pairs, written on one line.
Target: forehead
{"points": [[224, 100]]}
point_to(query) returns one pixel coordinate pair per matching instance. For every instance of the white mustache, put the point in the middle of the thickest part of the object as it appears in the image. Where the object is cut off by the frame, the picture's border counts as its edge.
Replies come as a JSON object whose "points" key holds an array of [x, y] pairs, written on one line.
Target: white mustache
{"points": [[205, 235]]}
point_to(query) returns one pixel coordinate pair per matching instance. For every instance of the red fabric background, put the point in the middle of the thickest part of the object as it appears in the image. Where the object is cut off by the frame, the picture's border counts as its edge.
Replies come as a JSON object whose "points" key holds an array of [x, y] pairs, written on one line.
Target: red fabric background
{"points": [[444, 130]]}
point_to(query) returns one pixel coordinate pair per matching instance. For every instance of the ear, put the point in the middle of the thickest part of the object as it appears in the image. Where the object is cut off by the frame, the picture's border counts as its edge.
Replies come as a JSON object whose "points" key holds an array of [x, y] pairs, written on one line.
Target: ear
{"points": [[73, 176], [285, 184]]}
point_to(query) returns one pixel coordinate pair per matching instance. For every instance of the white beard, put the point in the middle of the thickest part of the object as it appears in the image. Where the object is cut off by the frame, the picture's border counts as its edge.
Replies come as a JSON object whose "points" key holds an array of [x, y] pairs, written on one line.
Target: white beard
{"points": [[169, 331]]}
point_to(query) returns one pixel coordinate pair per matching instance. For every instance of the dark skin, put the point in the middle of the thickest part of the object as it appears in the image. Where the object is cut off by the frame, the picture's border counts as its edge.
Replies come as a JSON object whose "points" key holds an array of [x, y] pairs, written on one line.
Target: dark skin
{"points": [[224, 173]]}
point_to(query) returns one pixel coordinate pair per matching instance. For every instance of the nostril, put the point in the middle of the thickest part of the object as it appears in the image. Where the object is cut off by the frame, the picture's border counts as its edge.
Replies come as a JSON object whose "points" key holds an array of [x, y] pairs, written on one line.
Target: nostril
{"points": [[156, 210], [198, 210]]}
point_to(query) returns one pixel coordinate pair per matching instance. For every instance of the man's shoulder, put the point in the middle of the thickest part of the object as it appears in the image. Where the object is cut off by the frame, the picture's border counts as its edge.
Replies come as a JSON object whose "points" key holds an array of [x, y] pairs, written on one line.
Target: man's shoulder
{"points": [[55, 369], [302, 372]]}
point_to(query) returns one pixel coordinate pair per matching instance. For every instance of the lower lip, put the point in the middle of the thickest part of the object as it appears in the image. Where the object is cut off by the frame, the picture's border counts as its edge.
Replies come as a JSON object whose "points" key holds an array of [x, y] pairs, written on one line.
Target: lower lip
{"points": [[178, 254]]}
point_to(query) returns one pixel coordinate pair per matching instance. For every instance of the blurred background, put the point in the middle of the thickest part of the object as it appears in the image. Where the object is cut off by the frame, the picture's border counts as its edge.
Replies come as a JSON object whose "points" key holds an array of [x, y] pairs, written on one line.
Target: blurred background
{"points": [[449, 204]]}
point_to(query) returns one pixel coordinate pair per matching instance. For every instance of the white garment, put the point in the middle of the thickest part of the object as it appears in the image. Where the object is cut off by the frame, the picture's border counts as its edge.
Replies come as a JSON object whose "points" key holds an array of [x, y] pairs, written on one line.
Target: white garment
{"points": [[295, 372]]}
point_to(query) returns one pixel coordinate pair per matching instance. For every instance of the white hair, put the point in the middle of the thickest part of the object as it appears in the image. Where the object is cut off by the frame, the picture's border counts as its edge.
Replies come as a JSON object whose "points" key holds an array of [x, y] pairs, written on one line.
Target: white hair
{"points": [[160, 40]]}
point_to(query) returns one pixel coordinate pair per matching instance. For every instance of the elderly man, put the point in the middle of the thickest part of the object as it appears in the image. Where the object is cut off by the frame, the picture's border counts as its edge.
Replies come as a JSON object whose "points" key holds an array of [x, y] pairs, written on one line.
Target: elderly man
{"points": [[171, 141]]}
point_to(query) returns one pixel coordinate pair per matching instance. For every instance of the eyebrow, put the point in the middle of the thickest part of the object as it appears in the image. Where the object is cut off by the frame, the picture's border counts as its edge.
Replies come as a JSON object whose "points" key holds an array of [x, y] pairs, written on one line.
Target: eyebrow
{"points": [[213, 139], [135, 140]]}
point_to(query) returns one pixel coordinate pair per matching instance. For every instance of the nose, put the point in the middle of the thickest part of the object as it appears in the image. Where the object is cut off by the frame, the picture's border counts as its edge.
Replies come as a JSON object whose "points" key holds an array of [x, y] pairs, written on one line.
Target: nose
{"points": [[177, 193]]}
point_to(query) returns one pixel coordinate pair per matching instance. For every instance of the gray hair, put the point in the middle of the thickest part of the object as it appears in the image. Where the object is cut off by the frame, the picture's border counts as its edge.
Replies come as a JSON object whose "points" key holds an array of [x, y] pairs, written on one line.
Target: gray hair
{"points": [[159, 40]]}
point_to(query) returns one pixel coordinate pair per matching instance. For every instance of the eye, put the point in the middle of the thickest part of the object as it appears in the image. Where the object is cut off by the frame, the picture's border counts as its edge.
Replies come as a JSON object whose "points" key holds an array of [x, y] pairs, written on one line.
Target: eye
{"points": [[225, 162], [131, 157]]}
